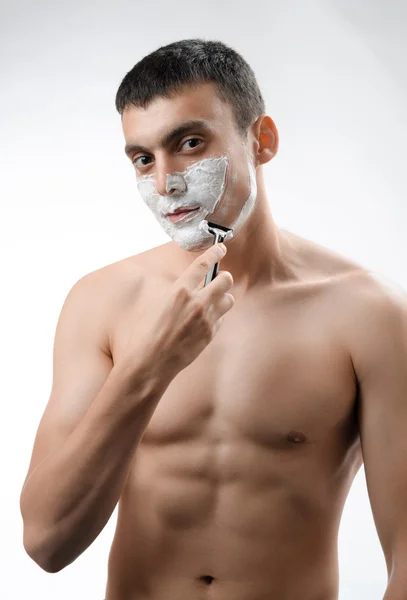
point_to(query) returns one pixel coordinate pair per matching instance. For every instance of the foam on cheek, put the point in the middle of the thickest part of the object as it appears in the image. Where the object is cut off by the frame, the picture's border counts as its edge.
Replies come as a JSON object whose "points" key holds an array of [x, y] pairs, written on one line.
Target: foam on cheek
{"points": [[250, 202], [202, 184]]}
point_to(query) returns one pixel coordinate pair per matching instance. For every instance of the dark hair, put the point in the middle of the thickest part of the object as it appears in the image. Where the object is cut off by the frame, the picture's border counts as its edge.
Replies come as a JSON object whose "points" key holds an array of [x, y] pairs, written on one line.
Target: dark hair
{"points": [[168, 69]]}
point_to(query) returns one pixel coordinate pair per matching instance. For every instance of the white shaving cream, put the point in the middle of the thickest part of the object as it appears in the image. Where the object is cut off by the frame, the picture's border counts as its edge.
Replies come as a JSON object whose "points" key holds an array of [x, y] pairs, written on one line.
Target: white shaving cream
{"points": [[201, 185]]}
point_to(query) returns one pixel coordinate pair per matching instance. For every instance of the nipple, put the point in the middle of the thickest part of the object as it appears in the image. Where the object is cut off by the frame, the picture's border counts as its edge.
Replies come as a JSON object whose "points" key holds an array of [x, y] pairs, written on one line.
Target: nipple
{"points": [[206, 579]]}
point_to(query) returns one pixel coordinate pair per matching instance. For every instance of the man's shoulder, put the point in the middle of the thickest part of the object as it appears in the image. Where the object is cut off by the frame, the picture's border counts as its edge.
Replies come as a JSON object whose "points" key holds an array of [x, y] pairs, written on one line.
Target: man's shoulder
{"points": [[375, 319], [367, 307], [128, 269], [106, 291], [356, 288], [323, 259], [377, 301], [316, 263], [369, 291]]}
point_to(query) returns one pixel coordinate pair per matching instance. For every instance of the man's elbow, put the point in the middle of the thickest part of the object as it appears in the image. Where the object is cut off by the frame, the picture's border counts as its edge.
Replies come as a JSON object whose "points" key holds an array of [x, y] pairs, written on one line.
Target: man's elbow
{"points": [[39, 549]]}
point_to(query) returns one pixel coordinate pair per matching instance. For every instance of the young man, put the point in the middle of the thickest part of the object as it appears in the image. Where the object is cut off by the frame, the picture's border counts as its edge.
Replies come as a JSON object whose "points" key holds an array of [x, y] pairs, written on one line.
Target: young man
{"points": [[228, 420]]}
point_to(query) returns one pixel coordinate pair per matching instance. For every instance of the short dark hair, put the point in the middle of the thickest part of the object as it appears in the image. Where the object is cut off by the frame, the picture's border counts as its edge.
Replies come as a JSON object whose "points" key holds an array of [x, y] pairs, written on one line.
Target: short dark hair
{"points": [[168, 69]]}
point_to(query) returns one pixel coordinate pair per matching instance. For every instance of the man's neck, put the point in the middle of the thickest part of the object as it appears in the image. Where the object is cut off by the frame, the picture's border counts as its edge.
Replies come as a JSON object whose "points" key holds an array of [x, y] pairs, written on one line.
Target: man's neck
{"points": [[259, 254]]}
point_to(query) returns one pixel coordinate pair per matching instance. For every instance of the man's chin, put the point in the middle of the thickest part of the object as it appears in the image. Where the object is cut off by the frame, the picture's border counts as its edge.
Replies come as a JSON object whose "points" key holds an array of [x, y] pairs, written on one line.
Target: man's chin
{"points": [[196, 247]]}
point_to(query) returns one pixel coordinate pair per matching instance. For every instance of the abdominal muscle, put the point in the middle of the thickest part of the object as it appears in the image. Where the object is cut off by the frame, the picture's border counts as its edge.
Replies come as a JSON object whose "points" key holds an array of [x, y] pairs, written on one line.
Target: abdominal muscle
{"points": [[257, 533]]}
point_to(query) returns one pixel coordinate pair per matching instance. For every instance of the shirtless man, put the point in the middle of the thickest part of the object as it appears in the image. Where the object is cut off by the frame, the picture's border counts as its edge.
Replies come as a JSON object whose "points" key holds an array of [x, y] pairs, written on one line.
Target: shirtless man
{"points": [[228, 420]]}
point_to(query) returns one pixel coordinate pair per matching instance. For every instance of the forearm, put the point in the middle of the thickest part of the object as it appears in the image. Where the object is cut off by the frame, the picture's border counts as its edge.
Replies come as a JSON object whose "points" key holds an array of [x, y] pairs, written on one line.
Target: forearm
{"points": [[69, 498]]}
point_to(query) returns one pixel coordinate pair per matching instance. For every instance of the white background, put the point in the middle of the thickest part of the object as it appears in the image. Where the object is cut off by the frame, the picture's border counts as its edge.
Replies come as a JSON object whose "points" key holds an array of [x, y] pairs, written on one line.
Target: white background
{"points": [[333, 76]]}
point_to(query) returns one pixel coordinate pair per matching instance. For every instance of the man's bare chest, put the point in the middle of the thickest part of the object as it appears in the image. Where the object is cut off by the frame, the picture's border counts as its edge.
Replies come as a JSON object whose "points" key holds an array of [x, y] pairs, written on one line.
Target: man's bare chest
{"points": [[276, 374]]}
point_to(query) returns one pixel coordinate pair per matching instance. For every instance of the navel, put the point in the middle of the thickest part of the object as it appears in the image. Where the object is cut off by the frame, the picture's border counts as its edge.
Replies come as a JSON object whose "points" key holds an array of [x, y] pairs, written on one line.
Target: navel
{"points": [[298, 437]]}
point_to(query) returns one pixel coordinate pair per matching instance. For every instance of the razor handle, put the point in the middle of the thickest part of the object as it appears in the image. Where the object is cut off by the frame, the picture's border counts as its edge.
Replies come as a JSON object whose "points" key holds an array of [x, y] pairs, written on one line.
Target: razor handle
{"points": [[210, 276]]}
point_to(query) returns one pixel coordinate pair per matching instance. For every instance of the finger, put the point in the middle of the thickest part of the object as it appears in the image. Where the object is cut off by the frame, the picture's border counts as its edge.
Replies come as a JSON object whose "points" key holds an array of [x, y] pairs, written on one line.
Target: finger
{"points": [[218, 309], [197, 271], [221, 284]]}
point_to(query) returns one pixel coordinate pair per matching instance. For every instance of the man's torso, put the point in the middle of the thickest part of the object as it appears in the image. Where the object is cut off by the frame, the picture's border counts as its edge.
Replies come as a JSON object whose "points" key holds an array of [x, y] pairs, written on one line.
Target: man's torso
{"points": [[238, 484]]}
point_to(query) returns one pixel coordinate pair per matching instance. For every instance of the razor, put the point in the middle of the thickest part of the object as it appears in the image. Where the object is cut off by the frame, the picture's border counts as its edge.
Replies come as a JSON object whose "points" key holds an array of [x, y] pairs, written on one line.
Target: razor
{"points": [[219, 233]]}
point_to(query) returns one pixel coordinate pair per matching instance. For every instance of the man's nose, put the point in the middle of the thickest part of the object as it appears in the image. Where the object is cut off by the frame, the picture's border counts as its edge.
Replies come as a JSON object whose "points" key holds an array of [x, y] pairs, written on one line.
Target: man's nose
{"points": [[168, 181]]}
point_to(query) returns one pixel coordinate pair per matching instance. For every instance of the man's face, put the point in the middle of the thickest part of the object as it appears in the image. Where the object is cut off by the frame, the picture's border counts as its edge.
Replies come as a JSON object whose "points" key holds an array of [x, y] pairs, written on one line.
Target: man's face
{"points": [[206, 165]]}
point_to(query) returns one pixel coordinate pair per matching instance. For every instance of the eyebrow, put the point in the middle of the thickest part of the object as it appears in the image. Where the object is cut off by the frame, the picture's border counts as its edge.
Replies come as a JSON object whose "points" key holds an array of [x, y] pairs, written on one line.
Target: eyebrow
{"points": [[171, 136]]}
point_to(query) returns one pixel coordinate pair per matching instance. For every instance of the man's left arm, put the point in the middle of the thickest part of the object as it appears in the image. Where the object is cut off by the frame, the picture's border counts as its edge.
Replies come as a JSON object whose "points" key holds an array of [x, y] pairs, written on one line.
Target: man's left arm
{"points": [[379, 355]]}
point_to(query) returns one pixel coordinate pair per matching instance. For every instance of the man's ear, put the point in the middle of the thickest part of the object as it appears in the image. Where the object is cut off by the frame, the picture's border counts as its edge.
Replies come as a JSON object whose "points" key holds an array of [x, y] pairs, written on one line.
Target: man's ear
{"points": [[266, 139]]}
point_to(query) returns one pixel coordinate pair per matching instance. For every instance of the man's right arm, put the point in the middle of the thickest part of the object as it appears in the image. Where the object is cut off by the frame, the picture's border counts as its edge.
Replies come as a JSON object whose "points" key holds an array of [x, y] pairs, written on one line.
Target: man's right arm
{"points": [[86, 438]]}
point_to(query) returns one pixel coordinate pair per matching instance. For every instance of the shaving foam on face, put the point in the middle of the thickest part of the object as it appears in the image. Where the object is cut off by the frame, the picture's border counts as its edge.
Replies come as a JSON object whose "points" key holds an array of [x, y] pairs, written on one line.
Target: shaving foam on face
{"points": [[248, 206], [202, 184]]}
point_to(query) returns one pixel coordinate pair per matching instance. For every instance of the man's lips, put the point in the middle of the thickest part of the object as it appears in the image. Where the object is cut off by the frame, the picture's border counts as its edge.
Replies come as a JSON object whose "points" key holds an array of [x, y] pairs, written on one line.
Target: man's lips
{"points": [[181, 214], [181, 210]]}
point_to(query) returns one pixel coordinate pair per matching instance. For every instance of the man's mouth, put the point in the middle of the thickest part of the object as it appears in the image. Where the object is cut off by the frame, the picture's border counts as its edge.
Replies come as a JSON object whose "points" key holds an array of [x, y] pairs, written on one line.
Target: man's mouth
{"points": [[180, 213]]}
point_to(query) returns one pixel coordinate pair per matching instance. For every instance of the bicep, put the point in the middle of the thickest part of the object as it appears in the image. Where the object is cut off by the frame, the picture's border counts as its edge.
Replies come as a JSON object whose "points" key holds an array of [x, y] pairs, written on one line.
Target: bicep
{"points": [[380, 358], [80, 368]]}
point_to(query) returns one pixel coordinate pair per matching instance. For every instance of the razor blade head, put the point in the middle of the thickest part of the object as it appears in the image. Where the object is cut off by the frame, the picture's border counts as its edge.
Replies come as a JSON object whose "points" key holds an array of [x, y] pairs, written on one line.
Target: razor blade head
{"points": [[220, 232], [212, 225]]}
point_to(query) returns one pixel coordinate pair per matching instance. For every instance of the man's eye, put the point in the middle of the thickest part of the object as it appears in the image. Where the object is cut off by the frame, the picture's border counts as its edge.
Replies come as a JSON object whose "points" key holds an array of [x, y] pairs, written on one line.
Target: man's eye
{"points": [[139, 162], [191, 140], [134, 161]]}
